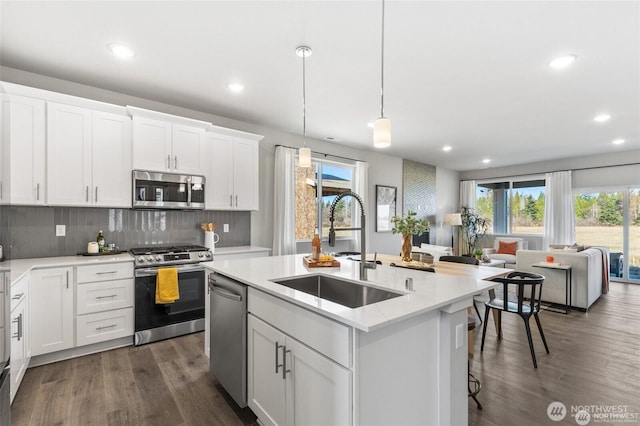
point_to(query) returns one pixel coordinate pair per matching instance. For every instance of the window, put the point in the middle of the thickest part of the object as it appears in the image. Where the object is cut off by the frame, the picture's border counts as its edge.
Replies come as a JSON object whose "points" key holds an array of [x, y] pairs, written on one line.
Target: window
{"points": [[612, 219], [512, 206], [316, 189]]}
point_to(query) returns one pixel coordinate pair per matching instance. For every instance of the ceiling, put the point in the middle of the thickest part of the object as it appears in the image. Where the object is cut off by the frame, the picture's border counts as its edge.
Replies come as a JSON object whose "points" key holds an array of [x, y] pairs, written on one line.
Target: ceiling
{"points": [[472, 75]]}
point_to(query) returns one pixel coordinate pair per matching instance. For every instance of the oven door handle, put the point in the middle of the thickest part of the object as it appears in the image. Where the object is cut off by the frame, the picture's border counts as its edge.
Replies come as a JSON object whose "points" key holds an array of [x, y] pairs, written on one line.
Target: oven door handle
{"points": [[151, 272]]}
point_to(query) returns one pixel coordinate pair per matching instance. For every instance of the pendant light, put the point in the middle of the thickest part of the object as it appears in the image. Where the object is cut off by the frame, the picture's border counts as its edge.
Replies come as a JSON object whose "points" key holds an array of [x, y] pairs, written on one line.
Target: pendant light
{"points": [[304, 153], [382, 126]]}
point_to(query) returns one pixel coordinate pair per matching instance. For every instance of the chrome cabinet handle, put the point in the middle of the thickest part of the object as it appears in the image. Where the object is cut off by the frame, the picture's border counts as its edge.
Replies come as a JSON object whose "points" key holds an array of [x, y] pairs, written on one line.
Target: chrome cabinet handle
{"points": [[106, 326], [0, 189], [175, 162], [38, 191], [236, 201], [106, 272], [96, 194], [168, 161], [284, 362], [67, 280], [86, 193], [230, 200], [106, 297], [17, 296], [17, 334], [278, 365]]}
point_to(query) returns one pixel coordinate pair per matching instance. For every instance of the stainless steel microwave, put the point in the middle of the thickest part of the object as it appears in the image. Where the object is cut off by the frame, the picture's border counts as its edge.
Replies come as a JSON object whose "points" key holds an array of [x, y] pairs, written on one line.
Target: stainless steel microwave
{"points": [[156, 190]]}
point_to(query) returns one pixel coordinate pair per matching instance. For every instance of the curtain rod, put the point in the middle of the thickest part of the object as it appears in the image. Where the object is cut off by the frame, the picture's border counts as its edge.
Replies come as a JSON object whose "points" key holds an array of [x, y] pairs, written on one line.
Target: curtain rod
{"points": [[554, 171], [322, 153]]}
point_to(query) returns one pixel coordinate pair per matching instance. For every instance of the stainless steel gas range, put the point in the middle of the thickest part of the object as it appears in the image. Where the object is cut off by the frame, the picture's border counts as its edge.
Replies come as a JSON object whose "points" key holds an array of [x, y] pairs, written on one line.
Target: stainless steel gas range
{"points": [[154, 321]]}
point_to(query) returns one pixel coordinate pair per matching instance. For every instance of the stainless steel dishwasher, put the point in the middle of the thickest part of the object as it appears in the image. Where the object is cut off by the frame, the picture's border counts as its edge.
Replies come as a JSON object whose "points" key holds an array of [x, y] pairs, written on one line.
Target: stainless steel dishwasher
{"points": [[228, 325]]}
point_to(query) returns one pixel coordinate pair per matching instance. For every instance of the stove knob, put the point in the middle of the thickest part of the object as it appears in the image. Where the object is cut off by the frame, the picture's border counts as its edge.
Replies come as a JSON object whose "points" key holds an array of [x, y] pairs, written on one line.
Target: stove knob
{"points": [[158, 258], [150, 258], [140, 259], [200, 254], [208, 254]]}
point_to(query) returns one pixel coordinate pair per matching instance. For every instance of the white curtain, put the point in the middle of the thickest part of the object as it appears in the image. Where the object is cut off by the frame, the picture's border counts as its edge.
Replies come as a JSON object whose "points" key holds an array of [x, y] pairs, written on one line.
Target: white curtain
{"points": [[468, 193], [559, 214], [361, 180], [284, 202]]}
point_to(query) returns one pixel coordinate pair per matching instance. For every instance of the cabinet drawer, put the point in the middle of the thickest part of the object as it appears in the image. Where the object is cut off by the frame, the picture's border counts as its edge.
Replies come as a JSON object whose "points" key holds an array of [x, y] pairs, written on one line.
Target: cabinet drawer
{"points": [[93, 328], [326, 336], [105, 272], [19, 291], [104, 296]]}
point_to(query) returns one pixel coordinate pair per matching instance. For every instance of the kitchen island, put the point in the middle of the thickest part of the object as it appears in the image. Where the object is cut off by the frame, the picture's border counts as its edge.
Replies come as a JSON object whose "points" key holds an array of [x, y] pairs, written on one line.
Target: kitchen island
{"points": [[397, 361]]}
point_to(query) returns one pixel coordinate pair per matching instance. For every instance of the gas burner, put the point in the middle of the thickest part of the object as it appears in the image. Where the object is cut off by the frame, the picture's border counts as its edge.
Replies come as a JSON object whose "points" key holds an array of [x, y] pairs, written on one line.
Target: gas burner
{"points": [[170, 255]]}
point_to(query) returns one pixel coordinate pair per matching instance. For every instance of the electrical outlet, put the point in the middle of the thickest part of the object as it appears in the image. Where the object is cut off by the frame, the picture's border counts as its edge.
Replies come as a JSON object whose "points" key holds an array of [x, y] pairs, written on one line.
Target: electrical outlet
{"points": [[225, 227], [459, 335], [61, 230]]}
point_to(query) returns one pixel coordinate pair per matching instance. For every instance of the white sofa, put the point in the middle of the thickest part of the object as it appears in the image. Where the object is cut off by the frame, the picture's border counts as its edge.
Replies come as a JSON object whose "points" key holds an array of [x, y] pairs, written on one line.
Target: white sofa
{"points": [[433, 250], [586, 271], [510, 259]]}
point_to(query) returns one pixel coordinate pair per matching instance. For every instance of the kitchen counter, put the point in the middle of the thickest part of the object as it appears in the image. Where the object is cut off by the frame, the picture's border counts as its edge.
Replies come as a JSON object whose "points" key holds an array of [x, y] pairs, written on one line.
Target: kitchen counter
{"points": [[17, 268], [431, 291]]}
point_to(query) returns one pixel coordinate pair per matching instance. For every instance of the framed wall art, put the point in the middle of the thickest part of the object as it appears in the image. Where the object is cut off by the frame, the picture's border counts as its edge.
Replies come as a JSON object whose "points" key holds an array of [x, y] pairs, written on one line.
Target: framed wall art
{"points": [[385, 207]]}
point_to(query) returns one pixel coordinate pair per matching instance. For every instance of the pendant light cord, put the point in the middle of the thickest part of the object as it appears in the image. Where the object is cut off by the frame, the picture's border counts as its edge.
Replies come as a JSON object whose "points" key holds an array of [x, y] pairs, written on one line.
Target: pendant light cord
{"points": [[304, 98], [382, 68]]}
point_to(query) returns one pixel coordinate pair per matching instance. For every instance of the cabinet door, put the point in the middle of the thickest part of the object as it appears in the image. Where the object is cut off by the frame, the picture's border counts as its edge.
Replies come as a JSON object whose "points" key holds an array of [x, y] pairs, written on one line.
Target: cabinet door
{"points": [[111, 160], [18, 347], [245, 175], [151, 144], [68, 155], [187, 150], [23, 156], [51, 301], [265, 384], [318, 390], [219, 185]]}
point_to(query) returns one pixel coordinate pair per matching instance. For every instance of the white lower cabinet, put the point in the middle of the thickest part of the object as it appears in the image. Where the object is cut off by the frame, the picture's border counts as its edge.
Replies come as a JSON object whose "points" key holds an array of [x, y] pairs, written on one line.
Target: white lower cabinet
{"points": [[103, 326], [20, 346], [291, 384], [51, 307]]}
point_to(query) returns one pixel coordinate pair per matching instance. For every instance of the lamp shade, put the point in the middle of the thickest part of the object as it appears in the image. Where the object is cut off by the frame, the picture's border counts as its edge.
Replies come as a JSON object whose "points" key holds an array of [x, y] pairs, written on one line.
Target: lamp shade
{"points": [[304, 157], [454, 219], [382, 133]]}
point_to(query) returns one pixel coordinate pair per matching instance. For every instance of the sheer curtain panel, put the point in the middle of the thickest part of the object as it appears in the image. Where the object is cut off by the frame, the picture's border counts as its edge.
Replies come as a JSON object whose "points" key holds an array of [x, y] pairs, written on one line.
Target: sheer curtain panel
{"points": [[559, 213], [468, 194], [284, 202]]}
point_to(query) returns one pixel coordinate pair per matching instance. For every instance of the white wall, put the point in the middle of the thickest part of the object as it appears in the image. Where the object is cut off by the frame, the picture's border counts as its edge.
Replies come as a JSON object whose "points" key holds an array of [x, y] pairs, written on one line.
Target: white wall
{"points": [[383, 169]]}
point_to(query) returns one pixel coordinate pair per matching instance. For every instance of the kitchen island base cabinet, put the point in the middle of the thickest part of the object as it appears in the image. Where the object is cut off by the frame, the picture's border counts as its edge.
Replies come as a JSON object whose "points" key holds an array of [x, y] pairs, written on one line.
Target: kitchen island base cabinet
{"points": [[291, 384]]}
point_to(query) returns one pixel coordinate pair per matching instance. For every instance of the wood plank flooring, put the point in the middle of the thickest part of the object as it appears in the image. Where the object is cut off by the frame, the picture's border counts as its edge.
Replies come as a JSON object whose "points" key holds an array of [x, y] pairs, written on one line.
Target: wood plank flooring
{"points": [[163, 383], [594, 360]]}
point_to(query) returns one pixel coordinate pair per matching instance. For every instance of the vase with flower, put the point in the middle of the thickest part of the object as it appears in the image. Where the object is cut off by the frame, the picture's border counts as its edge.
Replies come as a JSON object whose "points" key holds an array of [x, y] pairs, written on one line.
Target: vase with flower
{"points": [[408, 226]]}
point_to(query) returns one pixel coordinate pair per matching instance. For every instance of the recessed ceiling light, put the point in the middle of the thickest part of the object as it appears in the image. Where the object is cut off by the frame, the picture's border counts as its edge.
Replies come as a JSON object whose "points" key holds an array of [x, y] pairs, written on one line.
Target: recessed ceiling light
{"points": [[370, 125], [446, 148], [562, 61], [618, 141], [121, 51], [601, 118], [235, 87], [486, 161]]}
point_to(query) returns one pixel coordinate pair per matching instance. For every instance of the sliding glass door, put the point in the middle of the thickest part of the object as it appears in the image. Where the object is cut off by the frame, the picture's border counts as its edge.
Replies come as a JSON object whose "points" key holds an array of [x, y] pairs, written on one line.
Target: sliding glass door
{"points": [[612, 219]]}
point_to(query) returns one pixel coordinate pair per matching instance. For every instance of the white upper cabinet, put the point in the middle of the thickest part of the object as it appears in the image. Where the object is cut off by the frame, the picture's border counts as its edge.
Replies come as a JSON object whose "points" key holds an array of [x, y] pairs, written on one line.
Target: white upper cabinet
{"points": [[167, 143], [23, 151], [88, 157], [233, 172]]}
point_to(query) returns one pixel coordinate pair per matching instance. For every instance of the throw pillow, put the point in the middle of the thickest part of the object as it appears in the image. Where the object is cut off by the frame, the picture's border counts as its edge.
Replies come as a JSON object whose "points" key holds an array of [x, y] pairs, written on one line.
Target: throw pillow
{"points": [[507, 248]]}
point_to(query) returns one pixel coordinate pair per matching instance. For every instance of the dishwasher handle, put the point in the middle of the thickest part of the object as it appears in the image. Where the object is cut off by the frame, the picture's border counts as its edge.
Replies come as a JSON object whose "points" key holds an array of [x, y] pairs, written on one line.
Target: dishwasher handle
{"points": [[220, 292]]}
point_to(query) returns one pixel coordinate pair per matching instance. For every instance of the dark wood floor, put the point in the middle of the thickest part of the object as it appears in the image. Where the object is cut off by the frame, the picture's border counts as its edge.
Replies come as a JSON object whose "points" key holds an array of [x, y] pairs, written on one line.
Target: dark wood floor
{"points": [[594, 360], [163, 383]]}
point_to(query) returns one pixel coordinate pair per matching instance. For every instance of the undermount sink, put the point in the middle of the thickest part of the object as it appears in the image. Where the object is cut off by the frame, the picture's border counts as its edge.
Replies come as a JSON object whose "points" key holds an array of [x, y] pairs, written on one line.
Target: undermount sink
{"points": [[343, 292]]}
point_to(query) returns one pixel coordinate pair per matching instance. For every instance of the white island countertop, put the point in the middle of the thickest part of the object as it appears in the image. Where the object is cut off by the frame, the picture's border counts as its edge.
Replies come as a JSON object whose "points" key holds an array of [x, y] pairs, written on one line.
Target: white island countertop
{"points": [[431, 290]]}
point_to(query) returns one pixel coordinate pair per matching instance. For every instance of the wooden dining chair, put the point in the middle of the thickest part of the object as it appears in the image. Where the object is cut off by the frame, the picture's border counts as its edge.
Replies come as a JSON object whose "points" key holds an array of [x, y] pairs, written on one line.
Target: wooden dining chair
{"points": [[527, 288]]}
